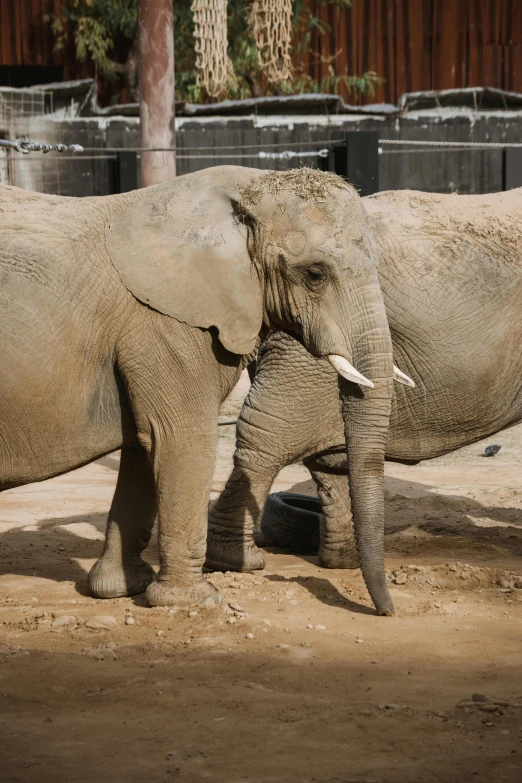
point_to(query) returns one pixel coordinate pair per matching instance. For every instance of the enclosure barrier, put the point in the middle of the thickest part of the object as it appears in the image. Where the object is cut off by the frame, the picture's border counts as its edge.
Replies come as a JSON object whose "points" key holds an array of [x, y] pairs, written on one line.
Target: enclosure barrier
{"points": [[354, 155]]}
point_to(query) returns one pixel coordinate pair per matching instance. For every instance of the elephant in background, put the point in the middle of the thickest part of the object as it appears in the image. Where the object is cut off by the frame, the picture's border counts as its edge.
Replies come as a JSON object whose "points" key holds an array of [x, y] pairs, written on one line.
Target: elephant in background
{"points": [[451, 277], [126, 320]]}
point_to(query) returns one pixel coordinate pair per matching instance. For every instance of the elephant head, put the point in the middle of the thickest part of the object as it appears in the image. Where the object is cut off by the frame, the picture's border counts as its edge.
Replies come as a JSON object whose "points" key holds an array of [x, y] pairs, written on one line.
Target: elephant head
{"points": [[238, 249]]}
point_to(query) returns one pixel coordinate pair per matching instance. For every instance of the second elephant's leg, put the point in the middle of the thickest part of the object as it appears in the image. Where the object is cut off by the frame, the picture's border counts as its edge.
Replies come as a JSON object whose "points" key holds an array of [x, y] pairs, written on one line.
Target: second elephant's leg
{"points": [[120, 570], [337, 547], [236, 515]]}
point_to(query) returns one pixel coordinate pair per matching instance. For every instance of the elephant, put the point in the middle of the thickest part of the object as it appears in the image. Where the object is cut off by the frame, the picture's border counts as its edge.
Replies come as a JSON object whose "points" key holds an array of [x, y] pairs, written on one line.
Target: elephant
{"points": [[127, 319], [451, 278]]}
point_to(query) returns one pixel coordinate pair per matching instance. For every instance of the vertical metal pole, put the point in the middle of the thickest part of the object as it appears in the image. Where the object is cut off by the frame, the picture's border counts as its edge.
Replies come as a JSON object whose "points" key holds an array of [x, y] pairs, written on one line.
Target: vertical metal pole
{"points": [[127, 171], [357, 159], [157, 99], [512, 168]]}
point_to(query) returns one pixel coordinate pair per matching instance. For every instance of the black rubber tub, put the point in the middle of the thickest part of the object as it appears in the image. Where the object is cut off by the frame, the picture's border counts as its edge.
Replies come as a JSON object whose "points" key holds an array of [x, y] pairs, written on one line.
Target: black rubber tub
{"points": [[291, 521]]}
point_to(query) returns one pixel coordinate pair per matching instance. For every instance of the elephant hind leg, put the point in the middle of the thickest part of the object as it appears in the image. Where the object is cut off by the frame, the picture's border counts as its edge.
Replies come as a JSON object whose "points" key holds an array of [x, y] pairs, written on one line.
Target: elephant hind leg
{"points": [[120, 571]]}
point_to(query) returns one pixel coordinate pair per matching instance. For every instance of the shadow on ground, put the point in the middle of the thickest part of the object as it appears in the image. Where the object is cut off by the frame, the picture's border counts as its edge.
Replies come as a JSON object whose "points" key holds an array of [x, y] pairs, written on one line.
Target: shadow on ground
{"points": [[426, 524]]}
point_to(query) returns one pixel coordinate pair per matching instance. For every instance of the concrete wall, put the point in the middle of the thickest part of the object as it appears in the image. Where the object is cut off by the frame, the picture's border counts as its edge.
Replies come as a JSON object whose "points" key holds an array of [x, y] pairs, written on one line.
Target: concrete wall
{"points": [[437, 170]]}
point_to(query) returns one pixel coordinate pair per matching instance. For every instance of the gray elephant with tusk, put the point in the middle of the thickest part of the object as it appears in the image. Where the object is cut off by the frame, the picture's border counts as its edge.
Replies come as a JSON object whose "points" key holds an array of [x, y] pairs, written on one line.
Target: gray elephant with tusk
{"points": [[451, 277], [126, 320]]}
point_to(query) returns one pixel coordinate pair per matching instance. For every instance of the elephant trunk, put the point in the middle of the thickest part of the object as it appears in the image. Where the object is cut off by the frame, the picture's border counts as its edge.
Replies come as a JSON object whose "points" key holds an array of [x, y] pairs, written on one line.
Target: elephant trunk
{"points": [[366, 414]]}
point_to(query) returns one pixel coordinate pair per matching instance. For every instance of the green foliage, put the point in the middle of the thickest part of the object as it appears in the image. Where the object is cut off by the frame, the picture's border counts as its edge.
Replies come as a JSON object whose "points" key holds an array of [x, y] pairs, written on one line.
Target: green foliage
{"points": [[102, 27], [94, 25]]}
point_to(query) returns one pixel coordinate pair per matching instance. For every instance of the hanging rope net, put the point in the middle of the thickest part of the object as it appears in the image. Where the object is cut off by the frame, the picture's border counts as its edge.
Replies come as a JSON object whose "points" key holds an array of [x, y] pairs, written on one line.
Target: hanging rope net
{"points": [[210, 31], [271, 23]]}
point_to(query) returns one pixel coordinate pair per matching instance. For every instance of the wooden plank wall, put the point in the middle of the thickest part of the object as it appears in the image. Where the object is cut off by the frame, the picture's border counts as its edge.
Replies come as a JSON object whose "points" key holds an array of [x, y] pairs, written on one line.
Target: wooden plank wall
{"points": [[26, 37], [423, 44], [413, 44]]}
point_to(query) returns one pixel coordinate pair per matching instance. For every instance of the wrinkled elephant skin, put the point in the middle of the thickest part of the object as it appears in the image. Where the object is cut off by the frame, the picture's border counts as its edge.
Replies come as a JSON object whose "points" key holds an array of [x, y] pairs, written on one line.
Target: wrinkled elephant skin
{"points": [[451, 277], [126, 320]]}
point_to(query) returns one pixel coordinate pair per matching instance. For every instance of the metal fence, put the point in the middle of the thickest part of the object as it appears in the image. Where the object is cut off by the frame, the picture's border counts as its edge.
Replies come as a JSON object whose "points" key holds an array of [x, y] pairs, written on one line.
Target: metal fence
{"points": [[357, 156]]}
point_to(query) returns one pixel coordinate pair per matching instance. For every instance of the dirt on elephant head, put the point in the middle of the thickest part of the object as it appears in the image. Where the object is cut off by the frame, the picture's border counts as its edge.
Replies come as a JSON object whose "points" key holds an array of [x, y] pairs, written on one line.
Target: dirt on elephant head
{"points": [[308, 184]]}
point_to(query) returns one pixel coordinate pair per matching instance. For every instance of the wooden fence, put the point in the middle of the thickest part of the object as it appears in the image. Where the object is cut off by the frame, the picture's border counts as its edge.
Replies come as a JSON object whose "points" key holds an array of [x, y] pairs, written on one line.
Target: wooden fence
{"points": [[412, 44], [422, 44]]}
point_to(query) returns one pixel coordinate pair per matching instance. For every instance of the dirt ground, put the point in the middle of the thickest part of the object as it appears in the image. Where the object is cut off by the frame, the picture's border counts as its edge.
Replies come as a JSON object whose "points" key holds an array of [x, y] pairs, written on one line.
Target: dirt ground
{"points": [[294, 679]]}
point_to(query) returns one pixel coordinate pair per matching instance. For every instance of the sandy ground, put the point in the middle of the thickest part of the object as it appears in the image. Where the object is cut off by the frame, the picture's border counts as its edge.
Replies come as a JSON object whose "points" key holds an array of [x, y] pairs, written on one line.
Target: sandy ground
{"points": [[297, 680]]}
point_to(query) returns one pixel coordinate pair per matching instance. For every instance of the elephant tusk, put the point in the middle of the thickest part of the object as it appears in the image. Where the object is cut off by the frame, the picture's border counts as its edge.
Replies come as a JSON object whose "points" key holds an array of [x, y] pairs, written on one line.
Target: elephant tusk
{"points": [[347, 370], [401, 377]]}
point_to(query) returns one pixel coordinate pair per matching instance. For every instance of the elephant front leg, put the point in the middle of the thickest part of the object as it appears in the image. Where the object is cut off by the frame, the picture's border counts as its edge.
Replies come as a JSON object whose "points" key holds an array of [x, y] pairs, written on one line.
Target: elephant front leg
{"points": [[183, 467], [234, 518], [337, 548], [120, 570]]}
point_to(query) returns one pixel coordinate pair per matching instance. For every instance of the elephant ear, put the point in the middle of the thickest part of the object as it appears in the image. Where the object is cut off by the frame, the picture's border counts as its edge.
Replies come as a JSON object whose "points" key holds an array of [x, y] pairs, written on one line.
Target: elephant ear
{"points": [[180, 249]]}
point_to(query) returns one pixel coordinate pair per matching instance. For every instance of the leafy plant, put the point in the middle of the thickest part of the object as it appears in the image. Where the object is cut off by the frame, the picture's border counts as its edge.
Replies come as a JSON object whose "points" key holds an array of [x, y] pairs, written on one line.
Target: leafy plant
{"points": [[105, 32], [95, 25]]}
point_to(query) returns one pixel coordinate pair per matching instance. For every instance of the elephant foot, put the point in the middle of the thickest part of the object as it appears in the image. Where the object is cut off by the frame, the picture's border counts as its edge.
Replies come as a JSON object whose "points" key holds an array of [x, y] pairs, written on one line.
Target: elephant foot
{"points": [[107, 580], [201, 593], [263, 539], [346, 557], [226, 556]]}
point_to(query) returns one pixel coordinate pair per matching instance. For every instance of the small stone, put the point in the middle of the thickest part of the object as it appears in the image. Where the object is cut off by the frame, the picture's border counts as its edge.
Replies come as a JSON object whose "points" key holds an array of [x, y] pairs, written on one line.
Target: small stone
{"points": [[34, 600], [231, 620], [129, 620], [283, 646], [490, 708], [173, 610], [309, 625], [320, 627], [101, 622], [400, 578], [63, 620], [504, 583], [267, 622], [453, 568], [359, 640], [160, 633], [235, 607], [48, 719], [479, 697], [518, 582], [437, 605], [249, 636], [488, 723]]}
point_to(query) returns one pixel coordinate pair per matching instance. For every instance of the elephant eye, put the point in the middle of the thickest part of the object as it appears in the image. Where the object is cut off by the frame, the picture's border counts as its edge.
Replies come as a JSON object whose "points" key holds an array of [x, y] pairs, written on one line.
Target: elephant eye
{"points": [[316, 275]]}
